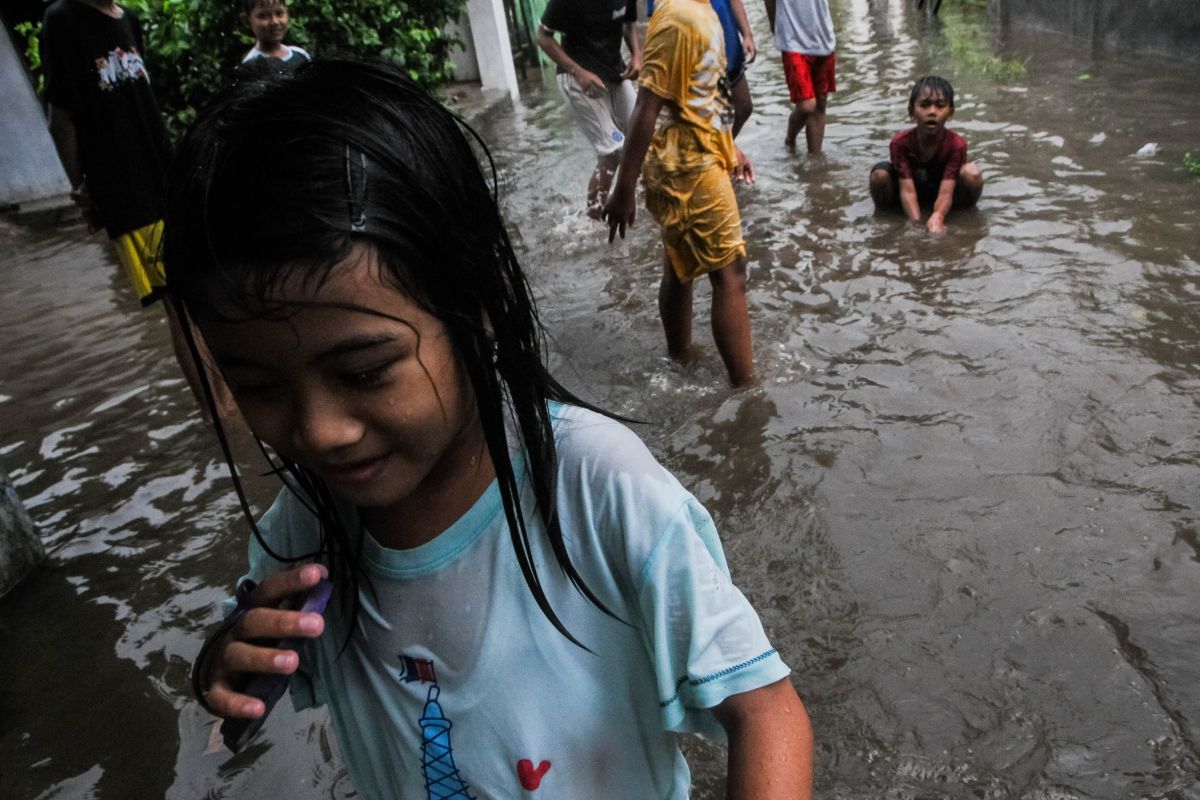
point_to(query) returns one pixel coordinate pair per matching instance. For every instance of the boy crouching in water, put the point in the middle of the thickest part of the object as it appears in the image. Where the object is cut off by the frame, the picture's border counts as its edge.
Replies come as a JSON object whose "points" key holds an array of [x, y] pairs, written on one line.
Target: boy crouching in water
{"points": [[689, 161], [928, 163]]}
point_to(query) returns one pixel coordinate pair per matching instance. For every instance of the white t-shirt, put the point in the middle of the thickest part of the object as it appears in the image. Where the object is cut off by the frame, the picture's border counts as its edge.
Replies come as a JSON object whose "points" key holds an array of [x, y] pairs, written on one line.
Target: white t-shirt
{"points": [[455, 685], [291, 51], [804, 26]]}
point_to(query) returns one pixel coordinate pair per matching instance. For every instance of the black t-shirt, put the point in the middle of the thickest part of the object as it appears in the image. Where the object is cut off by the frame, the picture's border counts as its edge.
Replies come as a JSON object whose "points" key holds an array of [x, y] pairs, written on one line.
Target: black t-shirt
{"points": [[93, 68], [591, 32]]}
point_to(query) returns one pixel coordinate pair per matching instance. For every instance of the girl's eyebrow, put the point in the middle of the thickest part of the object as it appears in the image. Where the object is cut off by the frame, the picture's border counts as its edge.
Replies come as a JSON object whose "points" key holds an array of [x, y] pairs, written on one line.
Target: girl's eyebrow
{"points": [[355, 344]]}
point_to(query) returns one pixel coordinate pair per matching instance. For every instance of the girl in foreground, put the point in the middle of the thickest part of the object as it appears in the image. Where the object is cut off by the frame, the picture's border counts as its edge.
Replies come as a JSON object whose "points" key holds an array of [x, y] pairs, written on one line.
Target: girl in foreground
{"points": [[523, 597]]}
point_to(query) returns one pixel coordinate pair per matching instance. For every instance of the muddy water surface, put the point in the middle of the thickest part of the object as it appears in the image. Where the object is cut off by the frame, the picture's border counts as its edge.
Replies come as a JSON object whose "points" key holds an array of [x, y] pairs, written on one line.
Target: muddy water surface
{"points": [[963, 496]]}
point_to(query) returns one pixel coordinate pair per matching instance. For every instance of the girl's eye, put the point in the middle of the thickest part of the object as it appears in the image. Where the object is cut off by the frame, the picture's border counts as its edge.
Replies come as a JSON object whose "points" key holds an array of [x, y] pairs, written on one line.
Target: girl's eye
{"points": [[367, 378]]}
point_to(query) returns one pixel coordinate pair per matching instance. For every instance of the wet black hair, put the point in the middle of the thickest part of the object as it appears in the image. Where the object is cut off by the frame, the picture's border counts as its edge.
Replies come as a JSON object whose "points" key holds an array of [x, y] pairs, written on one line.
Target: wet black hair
{"points": [[250, 5], [359, 153], [937, 87]]}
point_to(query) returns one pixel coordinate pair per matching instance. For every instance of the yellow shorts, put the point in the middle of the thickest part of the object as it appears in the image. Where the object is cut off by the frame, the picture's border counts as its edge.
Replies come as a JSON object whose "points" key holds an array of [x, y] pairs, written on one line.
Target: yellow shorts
{"points": [[139, 254], [701, 227]]}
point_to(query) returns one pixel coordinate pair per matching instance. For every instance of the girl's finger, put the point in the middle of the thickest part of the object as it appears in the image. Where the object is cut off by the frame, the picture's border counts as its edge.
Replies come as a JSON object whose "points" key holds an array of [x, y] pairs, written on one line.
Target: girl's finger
{"points": [[274, 623], [226, 703], [275, 588], [241, 657]]}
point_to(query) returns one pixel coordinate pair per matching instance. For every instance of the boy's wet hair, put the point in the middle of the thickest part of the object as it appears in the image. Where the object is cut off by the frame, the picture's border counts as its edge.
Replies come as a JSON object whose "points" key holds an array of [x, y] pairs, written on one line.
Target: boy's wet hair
{"points": [[937, 87], [360, 154], [249, 5]]}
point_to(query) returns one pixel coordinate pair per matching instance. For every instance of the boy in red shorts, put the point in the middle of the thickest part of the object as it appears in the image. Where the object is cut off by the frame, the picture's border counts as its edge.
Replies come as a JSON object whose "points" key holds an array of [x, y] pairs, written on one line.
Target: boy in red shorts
{"points": [[804, 34], [928, 164]]}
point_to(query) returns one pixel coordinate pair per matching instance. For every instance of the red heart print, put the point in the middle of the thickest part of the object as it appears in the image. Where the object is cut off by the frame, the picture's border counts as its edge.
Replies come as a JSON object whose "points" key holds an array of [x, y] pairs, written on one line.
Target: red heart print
{"points": [[531, 778]]}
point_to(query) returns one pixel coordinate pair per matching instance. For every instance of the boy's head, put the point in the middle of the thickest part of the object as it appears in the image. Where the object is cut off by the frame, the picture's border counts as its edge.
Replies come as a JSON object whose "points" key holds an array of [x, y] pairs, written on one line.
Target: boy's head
{"points": [[932, 87], [267, 20]]}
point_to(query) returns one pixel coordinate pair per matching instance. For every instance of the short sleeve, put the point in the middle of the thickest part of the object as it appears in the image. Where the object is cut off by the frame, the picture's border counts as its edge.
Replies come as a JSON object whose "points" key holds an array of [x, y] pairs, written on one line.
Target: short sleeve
{"points": [[557, 16], [706, 641], [55, 46], [631, 11], [899, 154], [667, 61], [955, 158]]}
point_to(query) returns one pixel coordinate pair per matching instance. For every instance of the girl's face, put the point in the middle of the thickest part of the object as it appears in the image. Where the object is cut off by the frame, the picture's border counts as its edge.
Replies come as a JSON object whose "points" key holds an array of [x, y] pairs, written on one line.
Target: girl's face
{"points": [[378, 408]]}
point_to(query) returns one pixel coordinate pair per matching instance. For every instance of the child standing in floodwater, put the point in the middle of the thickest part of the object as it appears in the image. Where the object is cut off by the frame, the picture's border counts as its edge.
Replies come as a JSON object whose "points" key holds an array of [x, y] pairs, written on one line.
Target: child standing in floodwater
{"points": [[690, 161], [928, 165], [480, 524]]}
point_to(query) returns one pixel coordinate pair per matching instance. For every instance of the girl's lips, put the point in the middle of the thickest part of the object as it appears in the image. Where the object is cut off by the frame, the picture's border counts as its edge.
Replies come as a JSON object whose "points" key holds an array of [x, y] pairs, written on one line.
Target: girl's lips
{"points": [[354, 472]]}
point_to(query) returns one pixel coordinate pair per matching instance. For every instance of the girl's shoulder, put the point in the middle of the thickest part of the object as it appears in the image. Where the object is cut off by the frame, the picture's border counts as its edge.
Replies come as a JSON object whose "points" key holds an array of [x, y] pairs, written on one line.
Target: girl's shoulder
{"points": [[584, 435], [298, 52]]}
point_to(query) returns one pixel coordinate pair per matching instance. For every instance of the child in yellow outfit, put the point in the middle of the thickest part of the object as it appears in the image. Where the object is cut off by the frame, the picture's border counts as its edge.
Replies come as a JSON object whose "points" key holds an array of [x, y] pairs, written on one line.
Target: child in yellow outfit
{"points": [[689, 161]]}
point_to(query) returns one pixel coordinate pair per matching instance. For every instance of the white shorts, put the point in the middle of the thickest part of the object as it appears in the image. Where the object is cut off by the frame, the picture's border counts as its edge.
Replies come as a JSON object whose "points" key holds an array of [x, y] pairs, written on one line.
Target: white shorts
{"points": [[602, 119]]}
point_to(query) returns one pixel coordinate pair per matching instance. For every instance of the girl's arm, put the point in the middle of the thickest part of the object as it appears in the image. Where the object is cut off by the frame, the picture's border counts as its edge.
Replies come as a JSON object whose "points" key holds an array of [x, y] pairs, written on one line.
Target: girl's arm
{"points": [[770, 744], [743, 23], [621, 207], [941, 206]]}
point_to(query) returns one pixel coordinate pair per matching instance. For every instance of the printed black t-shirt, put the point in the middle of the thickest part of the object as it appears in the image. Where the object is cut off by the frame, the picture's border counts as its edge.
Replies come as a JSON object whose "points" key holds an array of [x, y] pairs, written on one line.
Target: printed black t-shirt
{"points": [[591, 32], [93, 68]]}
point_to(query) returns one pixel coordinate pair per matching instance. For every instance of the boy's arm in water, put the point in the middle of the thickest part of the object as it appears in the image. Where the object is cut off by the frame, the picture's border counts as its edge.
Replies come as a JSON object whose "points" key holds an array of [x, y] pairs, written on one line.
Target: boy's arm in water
{"points": [[621, 207], [237, 656], [632, 39], [908, 199], [941, 206], [743, 23], [589, 82], [770, 744]]}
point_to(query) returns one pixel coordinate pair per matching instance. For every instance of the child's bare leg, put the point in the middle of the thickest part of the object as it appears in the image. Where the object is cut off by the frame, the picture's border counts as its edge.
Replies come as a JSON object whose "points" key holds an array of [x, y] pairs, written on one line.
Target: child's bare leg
{"points": [[798, 119], [731, 321], [882, 193], [675, 309], [743, 105], [814, 126], [969, 185], [601, 181]]}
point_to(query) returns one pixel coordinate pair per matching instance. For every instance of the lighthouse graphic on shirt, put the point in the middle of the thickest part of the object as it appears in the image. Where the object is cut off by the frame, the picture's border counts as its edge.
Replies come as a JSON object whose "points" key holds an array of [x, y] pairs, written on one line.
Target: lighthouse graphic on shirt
{"points": [[442, 781]]}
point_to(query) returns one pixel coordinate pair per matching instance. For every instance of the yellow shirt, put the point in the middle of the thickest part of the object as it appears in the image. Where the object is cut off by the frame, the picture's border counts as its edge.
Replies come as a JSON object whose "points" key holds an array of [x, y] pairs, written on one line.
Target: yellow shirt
{"points": [[684, 63]]}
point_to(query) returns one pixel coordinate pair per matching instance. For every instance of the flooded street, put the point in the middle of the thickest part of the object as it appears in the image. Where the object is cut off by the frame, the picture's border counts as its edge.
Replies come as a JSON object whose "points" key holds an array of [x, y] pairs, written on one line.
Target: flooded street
{"points": [[963, 497]]}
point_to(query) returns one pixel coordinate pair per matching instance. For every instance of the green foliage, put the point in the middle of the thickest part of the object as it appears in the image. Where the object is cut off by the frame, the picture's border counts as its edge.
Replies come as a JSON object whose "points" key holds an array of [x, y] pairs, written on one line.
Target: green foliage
{"points": [[31, 31], [1191, 162], [193, 45], [970, 49]]}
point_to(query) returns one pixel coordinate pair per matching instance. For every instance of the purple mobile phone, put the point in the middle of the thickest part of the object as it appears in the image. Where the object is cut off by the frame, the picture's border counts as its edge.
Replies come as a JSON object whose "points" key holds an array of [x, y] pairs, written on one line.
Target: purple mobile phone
{"points": [[269, 687]]}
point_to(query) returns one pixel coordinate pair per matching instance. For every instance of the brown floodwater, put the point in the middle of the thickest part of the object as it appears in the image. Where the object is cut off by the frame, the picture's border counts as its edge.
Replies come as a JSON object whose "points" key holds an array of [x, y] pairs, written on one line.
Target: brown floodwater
{"points": [[963, 497]]}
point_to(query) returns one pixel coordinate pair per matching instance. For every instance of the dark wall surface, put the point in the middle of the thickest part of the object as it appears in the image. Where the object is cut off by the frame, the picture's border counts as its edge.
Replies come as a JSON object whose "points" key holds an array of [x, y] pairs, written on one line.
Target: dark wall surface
{"points": [[1161, 27]]}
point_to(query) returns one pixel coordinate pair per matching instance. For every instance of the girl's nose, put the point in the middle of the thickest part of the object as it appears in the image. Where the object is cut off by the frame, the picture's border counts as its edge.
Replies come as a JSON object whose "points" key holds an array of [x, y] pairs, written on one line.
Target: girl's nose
{"points": [[324, 425]]}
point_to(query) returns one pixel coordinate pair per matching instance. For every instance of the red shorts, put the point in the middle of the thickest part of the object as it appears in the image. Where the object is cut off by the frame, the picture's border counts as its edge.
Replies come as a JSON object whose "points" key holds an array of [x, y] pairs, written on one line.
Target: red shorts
{"points": [[809, 76]]}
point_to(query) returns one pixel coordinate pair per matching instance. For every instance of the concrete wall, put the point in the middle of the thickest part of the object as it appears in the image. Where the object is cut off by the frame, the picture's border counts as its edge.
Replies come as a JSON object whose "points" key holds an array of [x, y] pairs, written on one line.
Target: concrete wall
{"points": [[20, 548], [1160, 27], [29, 167]]}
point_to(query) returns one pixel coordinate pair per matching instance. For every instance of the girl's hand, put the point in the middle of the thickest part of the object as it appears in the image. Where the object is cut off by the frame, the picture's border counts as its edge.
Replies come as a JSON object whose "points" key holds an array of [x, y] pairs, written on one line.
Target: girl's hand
{"points": [[936, 224], [242, 652]]}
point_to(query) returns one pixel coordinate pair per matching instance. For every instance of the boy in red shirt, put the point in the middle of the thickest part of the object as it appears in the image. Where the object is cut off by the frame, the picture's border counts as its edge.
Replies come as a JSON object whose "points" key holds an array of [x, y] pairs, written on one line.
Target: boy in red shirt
{"points": [[928, 163]]}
